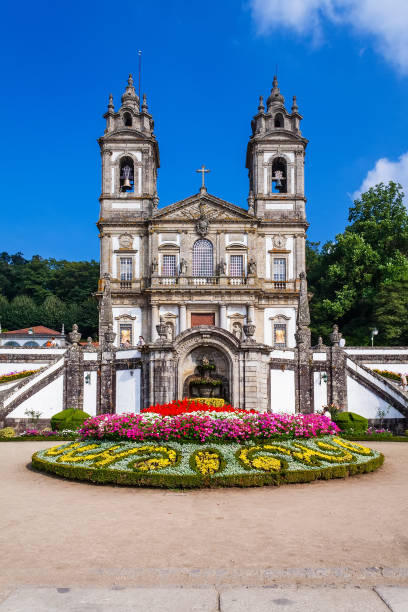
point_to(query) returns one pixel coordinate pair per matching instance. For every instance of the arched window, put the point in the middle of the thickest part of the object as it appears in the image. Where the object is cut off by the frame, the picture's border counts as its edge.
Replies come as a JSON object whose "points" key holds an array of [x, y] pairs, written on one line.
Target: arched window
{"points": [[127, 119], [11, 343], [203, 258], [279, 121], [127, 174], [31, 344], [279, 176]]}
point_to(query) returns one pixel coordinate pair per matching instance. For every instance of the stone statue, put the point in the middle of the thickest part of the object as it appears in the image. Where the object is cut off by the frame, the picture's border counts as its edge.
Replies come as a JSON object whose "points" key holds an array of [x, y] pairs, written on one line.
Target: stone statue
{"points": [[237, 330], [169, 332], [252, 266], [155, 265], [183, 266], [222, 267]]}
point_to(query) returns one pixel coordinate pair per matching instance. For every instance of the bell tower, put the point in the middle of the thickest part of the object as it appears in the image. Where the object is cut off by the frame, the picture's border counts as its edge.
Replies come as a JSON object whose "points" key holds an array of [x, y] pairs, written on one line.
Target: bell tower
{"points": [[275, 160], [130, 157]]}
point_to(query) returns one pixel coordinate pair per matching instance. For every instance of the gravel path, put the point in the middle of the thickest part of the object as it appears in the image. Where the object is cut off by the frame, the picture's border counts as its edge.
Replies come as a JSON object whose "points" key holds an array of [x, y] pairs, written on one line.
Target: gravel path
{"points": [[58, 533]]}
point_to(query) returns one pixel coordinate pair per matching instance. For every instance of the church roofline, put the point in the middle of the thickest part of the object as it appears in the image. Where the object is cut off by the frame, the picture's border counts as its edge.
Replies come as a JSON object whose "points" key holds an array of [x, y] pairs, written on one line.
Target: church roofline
{"points": [[203, 196]]}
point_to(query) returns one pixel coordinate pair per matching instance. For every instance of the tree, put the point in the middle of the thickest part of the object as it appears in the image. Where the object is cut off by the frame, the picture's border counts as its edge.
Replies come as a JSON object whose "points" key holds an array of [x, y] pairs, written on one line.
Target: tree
{"points": [[352, 277], [53, 312]]}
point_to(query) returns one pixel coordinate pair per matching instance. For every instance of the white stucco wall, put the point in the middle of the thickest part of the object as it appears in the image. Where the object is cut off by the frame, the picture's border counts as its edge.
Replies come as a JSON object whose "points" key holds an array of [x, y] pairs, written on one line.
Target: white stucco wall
{"points": [[47, 401], [7, 368], [291, 323], [127, 391], [133, 311], [366, 403], [283, 391], [319, 391], [90, 393]]}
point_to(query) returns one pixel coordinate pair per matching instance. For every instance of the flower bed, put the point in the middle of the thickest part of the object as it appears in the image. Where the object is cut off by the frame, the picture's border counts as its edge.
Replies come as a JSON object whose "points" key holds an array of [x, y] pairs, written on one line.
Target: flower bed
{"points": [[388, 374], [191, 464], [206, 426], [5, 378], [194, 405]]}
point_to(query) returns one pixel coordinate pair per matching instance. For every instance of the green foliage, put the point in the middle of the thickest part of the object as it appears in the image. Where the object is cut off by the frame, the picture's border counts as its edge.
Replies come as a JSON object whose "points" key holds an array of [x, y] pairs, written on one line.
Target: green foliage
{"points": [[169, 481], [351, 421], [360, 280], [48, 292], [68, 419], [7, 432]]}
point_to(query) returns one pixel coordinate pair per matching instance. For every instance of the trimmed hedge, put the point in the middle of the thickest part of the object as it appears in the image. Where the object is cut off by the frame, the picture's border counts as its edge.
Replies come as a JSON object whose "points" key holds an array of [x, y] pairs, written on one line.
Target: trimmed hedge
{"points": [[351, 420], [68, 419], [188, 481], [374, 438]]}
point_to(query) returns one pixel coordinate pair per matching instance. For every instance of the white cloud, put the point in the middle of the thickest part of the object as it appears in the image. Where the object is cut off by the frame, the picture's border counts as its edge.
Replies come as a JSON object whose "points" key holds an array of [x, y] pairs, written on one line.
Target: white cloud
{"points": [[385, 21], [386, 170]]}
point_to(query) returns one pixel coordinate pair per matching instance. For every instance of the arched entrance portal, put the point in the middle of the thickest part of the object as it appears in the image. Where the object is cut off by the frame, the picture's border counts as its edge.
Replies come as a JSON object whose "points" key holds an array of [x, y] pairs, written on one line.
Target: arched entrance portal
{"points": [[205, 372]]}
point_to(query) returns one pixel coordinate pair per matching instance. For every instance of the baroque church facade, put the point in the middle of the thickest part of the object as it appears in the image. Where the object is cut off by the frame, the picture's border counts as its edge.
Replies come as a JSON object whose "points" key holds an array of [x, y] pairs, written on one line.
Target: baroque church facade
{"points": [[203, 298], [203, 278]]}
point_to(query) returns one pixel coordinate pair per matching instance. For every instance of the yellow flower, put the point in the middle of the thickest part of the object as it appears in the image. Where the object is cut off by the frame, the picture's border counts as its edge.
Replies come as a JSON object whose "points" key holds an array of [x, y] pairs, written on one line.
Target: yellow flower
{"points": [[207, 462], [353, 446]]}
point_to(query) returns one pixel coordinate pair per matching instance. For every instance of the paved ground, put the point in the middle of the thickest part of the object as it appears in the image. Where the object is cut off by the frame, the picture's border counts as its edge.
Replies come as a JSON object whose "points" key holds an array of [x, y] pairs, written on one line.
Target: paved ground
{"points": [[60, 534]]}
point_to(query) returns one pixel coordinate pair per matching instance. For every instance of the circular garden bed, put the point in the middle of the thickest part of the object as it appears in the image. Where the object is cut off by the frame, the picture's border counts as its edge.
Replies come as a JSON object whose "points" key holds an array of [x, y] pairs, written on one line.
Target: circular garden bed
{"points": [[194, 445]]}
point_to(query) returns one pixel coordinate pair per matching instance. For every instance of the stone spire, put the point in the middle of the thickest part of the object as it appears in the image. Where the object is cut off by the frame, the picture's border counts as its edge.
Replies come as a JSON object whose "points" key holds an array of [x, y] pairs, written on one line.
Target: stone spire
{"points": [[145, 108], [261, 107], [275, 98], [111, 107], [130, 98], [295, 108], [303, 315]]}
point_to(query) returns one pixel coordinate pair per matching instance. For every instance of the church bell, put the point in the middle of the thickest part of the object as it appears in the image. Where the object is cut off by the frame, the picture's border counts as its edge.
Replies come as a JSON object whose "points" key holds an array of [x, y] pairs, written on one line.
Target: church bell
{"points": [[126, 177]]}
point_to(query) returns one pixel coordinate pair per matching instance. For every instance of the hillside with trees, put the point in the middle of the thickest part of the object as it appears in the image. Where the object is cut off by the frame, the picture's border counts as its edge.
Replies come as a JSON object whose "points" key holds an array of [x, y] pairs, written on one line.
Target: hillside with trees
{"points": [[48, 292]]}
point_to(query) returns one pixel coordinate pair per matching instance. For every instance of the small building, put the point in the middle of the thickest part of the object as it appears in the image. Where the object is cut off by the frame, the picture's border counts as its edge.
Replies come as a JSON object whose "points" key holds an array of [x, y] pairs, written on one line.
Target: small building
{"points": [[33, 337]]}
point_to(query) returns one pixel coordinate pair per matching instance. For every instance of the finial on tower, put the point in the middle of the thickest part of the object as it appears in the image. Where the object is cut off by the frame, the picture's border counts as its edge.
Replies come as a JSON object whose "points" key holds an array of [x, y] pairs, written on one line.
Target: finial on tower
{"points": [[129, 97], [144, 105], [275, 96], [261, 106], [110, 105], [295, 108]]}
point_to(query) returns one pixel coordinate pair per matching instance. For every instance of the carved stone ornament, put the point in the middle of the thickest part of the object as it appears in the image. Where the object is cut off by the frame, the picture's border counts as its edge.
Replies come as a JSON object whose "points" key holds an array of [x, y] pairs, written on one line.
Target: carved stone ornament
{"points": [[249, 331], [202, 226], [125, 241], [110, 335], [74, 335], [335, 336], [279, 241], [162, 330]]}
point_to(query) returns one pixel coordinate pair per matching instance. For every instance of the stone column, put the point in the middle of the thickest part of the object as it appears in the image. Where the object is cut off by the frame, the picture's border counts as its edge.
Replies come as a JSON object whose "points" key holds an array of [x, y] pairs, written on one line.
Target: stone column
{"points": [[251, 313], [223, 316], [154, 322], [182, 317], [74, 378]]}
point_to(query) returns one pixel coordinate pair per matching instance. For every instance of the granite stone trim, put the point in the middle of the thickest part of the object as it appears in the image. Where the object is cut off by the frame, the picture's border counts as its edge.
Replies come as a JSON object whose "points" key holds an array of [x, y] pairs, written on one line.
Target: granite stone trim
{"points": [[402, 406], [4, 411]]}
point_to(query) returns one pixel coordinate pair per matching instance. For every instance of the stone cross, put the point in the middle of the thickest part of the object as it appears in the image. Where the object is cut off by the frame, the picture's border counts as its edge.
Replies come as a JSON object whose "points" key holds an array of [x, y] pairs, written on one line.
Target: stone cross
{"points": [[203, 171]]}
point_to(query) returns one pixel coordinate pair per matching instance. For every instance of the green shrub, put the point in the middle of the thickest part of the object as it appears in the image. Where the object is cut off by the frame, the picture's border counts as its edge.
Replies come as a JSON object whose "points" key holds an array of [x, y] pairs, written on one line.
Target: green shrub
{"points": [[68, 419], [350, 421], [7, 432]]}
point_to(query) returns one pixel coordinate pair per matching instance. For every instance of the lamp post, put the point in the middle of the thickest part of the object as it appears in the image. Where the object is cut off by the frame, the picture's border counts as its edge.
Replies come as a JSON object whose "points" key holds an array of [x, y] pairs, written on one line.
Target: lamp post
{"points": [[374, 332]]}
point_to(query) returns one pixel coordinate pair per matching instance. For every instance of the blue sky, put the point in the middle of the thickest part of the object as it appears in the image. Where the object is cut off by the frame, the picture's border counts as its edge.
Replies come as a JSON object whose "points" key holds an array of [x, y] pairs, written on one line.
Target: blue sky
{"points": [[204, 67]]}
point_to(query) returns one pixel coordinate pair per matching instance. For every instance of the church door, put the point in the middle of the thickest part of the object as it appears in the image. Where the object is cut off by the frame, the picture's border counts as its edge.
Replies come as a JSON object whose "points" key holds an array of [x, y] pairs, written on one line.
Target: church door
{"points": [[202, 318]]}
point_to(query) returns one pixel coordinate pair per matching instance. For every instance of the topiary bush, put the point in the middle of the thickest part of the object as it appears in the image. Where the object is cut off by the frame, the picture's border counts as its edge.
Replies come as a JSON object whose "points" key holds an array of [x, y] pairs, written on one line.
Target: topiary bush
{"points": [[68, 419], [7, 432], [350, 421]]}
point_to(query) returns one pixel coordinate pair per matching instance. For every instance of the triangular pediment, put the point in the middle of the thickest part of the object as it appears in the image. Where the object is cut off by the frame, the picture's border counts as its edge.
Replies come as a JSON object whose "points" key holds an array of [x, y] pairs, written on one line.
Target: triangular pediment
{"points": [[207, 205]]}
